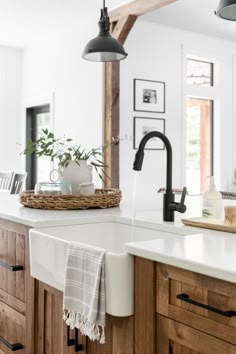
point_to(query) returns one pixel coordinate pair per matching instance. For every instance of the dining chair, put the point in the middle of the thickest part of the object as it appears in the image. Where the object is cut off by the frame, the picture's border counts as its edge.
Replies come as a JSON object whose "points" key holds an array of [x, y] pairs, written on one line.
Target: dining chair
{"points": [[17, 183], [5, 180]]}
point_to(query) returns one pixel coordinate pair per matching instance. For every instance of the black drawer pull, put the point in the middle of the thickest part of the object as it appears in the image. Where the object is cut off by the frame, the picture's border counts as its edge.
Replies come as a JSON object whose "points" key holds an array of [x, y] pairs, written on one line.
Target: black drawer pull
{"points": [[70, 341], [186, 298], [12, 347], [78, 347], [14, 268]]}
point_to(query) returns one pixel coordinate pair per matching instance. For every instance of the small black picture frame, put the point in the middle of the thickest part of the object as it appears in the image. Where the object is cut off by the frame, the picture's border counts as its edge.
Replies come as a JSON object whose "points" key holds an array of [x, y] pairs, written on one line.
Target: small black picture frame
{"points": [[149, 96], [144, 125]]}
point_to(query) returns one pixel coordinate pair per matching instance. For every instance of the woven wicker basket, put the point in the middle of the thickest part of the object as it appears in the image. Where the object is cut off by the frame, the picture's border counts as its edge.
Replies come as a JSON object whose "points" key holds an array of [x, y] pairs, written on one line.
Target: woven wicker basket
{"points": [[103, 198]]}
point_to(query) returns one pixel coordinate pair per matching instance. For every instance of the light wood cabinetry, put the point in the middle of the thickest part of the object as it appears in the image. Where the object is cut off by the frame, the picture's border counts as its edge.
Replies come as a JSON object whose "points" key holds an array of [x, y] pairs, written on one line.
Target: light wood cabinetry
{"points": [[193, 313], [52, 333], [16, 290], [31, 311], [175, 338]]}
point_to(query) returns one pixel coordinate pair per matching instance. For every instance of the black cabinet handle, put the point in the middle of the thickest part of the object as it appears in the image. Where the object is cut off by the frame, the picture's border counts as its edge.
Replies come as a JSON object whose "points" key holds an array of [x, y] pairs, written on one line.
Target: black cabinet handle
{"points": [[186, 298], [78, 347], [14, 268], [70, 341], [12, 347]]}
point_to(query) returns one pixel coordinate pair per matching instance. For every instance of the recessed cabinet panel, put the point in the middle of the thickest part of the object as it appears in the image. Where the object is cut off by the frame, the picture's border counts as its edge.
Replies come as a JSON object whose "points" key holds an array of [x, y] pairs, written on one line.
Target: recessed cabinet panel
{"points": [[175, 338], [202, 302], [12, 330], [12, 265]]}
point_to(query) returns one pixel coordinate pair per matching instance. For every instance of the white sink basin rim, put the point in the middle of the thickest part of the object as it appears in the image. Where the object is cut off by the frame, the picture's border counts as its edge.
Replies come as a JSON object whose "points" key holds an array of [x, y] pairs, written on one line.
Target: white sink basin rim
{"points": [[48, 252]]}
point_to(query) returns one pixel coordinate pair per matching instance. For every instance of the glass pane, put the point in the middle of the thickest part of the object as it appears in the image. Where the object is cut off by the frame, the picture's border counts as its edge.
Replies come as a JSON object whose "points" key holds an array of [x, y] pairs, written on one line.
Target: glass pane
{"points": [[199, 73], [44, 164], [199, 144]]}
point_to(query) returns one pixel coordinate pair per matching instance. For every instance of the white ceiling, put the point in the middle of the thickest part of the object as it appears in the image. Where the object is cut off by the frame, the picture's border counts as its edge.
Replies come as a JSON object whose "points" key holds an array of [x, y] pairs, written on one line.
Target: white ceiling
{"points": [[194, 15], [23, 22]]}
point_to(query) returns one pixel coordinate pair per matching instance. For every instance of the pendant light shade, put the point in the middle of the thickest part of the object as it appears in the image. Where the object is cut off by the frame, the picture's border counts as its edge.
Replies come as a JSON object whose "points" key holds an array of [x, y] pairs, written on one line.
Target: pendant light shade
{"points": [[104, 47], [227, 10]]}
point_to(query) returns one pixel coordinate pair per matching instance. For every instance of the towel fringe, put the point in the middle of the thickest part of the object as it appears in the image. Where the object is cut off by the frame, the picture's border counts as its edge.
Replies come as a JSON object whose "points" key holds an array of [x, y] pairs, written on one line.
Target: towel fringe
{"points": [[75, 320]]}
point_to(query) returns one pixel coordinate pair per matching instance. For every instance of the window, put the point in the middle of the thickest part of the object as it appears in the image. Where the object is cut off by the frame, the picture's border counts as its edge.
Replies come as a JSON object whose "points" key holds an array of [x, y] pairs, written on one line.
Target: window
{"points": [[199, 147], [199, 124], [199, 73]]}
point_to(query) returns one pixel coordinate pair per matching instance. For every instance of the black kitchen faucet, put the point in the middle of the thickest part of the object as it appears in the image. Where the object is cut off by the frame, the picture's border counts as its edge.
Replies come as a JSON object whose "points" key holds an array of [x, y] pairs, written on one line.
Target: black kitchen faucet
{"points": [[169, 205]]}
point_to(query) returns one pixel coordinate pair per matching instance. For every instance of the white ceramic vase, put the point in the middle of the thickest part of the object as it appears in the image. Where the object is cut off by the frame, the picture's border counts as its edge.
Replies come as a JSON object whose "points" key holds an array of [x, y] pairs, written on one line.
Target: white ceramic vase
{"points": [[76, 173]]}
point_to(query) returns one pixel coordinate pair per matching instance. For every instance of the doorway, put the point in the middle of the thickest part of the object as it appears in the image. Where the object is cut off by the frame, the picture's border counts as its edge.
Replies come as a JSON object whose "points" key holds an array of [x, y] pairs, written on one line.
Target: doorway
{"points": [[37, 118]]}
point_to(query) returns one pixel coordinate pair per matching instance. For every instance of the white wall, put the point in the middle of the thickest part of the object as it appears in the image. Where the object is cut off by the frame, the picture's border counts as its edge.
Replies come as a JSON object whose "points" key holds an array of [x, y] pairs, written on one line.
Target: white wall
{"points": [[10, 108], [56, 66], [158, 55]]}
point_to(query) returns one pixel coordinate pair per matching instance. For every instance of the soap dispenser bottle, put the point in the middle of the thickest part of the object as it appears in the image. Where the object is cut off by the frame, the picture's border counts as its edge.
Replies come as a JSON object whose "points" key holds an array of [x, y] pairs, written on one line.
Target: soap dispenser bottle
{"points": [[212, 202]]}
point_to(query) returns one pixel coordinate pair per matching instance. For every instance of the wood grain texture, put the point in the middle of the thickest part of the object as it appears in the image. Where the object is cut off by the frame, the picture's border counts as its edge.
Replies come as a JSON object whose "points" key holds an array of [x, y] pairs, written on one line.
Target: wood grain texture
{"points": [[122, 22], [172, 281], [52, 332], [16, 288], [145, 302], [137, 8], [208, 224], [12, 252], [111, 125], [122, 28], [184, 339], [11, 327]]}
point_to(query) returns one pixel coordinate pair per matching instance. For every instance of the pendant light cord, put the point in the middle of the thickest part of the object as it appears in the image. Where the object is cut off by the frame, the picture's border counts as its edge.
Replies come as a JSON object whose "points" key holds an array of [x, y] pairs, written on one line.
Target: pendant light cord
{"points": [[104, 5]]}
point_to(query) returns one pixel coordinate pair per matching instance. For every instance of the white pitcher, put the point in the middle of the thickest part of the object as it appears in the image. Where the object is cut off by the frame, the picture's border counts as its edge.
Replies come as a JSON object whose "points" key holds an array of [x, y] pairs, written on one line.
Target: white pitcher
{"points": [[75, 174]]}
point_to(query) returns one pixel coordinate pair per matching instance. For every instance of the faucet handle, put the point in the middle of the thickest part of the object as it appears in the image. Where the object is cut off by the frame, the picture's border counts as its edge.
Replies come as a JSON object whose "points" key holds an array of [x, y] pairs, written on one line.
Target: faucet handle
{"points": [[183, 196], [181, 207]]}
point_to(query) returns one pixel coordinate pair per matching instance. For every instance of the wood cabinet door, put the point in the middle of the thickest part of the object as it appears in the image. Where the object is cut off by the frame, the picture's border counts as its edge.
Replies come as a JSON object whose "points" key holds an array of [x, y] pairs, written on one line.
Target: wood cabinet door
{"points": [[12, 264], [16, 286], [52, 333], [199, 301], [176, 338], [12, 330]]}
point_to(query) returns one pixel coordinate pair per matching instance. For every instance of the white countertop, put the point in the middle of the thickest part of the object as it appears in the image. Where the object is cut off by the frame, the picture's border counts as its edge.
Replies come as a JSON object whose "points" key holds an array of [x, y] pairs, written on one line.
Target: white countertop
{"points": [[212, 254], [11, 209], [203, 251]]}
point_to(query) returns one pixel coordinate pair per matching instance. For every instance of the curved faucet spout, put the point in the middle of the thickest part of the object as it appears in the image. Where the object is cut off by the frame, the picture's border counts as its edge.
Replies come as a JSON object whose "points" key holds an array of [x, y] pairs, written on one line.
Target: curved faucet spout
{"points": [[138, 162], [169, 205]]}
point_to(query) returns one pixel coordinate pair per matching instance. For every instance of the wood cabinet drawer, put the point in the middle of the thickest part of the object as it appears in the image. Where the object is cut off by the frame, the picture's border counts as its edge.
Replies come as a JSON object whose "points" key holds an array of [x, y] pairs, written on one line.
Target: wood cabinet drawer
{"points": [[12, 253], [12, 330], [175, 338], [211, 299]]}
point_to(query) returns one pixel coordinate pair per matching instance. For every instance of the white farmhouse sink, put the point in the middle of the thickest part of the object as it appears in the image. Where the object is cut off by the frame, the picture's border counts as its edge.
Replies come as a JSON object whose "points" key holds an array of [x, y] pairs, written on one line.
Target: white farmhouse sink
{"points": [[48, 250]]}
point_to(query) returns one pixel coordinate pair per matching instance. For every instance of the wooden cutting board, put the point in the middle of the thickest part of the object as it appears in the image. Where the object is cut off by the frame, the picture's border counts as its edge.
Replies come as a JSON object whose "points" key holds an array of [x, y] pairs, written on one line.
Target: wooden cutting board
{"points": [[209, 224]]}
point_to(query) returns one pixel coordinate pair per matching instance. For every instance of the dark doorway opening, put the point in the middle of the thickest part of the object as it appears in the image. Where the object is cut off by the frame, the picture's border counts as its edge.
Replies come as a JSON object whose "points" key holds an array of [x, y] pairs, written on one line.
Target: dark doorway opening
{"points": [[37, 118]]}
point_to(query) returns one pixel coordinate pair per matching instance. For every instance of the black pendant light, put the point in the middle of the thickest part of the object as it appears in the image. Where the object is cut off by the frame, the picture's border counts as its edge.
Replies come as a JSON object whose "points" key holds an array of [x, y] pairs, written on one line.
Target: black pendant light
{"points": [[227, 10], [104, 47]]}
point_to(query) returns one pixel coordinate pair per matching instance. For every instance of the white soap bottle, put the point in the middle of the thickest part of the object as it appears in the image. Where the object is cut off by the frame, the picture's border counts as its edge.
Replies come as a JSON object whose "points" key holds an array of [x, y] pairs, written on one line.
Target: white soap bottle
{"points": [[212, 202]]}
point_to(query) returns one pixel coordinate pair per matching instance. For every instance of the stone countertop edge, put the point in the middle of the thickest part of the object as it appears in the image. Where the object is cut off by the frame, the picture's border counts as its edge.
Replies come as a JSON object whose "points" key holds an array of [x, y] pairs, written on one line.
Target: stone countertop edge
{"points": [[200, 253]]}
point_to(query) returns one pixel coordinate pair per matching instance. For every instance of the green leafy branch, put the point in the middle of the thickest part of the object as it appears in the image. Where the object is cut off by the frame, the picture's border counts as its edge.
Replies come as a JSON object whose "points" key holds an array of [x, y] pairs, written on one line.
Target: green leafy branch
{"points": [[64, 151]]}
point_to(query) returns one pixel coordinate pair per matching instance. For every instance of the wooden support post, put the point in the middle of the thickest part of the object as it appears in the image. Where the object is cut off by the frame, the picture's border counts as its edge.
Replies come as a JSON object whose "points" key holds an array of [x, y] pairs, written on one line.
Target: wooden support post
{"points": [[120, 31], [112, 112], [122, 21]]}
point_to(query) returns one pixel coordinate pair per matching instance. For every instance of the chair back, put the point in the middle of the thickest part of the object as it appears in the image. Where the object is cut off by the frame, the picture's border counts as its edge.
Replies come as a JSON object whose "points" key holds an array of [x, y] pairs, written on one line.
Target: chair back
{"points": [[17, 183], [5, 180]]}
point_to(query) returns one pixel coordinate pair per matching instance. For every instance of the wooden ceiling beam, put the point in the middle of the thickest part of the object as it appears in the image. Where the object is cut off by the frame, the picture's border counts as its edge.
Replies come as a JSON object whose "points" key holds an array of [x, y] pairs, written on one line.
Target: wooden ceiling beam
{"points": [[123, 27], [137, 8]]}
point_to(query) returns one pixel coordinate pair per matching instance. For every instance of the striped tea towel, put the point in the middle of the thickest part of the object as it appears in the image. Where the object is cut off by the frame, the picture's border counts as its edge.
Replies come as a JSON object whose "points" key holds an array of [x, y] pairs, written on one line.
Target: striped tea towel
{"points": [[84, 295]]}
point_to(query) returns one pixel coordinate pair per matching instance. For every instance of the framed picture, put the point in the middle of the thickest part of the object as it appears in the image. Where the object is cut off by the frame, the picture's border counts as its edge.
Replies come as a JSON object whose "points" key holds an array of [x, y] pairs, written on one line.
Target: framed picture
{"points": [[149, 96], [142, 126]]}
